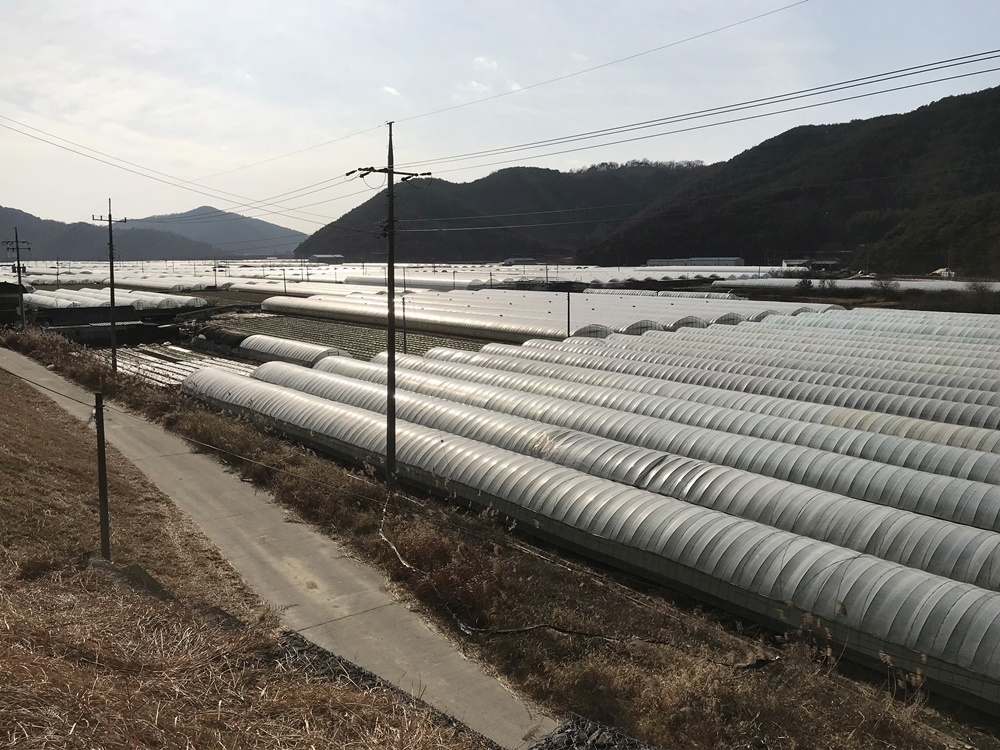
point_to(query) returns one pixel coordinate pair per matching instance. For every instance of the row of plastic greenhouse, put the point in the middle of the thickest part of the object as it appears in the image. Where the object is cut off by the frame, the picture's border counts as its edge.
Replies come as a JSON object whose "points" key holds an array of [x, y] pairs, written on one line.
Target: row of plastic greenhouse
{"points": [[837, 471], [443, 278], [872, 285], [101, 297], [196, 275], [516, 316]]}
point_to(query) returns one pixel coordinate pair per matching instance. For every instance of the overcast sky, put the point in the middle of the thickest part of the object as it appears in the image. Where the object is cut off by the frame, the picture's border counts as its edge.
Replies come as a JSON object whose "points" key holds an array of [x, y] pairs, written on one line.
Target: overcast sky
{"points": [[194, 88]]}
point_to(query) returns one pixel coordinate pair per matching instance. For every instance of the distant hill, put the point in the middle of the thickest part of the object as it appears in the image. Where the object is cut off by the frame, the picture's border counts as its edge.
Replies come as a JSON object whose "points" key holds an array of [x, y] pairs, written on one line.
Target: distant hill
{"points": [[900, 193], [53, 239], [526, 211], [226, 231]]}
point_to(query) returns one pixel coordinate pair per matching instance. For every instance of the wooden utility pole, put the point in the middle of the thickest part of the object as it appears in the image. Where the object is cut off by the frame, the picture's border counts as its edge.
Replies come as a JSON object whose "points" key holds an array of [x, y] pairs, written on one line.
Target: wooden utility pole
{"points": [[111, 261], [390, 280], [16, 244]]}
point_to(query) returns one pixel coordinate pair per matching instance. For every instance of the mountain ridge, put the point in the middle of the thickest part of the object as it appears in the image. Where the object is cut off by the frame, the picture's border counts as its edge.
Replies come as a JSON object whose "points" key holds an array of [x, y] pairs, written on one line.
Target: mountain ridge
{"points": [[49, 239], [897, 193], [518, 211], [233, 233], [902, 193], [138, 239]]}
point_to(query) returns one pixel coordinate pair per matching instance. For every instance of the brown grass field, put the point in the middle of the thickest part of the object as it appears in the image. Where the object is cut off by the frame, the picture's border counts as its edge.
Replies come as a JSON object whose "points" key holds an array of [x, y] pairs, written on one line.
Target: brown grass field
{"points": [[656, 666]]}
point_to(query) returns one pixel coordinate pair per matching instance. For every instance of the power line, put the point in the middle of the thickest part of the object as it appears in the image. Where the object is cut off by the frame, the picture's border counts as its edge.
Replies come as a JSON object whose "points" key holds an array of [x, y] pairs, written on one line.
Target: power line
{"points": [[513, 226], [283, 211], [716, 124], [829, 88], [528, 87], [179, 182], [699, 198], [729, 108], [299, 193], [696, 198], [523, 213], [224, 216], [607, 64], [184, 184], [625, 128], [136, 172], [185, 187]]}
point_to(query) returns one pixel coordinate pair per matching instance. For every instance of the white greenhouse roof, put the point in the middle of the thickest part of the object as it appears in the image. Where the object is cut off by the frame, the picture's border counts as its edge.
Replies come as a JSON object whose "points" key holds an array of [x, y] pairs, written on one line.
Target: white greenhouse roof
{"points": [[844, 465]]}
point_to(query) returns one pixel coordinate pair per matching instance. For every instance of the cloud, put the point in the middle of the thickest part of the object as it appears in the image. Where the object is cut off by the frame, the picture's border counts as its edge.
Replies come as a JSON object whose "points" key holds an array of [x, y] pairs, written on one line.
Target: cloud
{"points": [[513, 86], [391, 90], [476, 87], [484, 63]]}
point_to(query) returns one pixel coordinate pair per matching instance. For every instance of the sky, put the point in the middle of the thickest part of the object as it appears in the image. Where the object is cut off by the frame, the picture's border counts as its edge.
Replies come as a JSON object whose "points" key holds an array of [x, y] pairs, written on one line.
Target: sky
{"points": [[262, 107]]}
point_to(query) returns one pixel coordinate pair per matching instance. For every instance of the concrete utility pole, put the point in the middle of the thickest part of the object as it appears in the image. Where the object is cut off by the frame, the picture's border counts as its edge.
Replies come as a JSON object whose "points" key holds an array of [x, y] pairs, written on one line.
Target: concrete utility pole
{"points": [[102, 478], [16, 244], [111, 262], [390, 280]]}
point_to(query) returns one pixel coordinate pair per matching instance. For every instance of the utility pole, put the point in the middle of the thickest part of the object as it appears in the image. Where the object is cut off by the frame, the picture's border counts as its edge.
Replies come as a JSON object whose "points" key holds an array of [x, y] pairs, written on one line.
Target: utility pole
{"points": [[390, 369], [569, 327], [102, 478], [403, 300], [111, 262], [16, 244]]}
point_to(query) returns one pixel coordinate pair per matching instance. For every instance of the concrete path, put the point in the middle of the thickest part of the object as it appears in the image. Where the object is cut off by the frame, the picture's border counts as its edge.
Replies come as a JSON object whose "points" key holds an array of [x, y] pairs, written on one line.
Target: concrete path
{"points": [[334, 601]]}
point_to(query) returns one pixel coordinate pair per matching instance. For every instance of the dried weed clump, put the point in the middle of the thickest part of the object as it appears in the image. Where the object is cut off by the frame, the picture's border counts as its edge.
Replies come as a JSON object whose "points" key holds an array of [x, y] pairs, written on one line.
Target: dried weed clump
{"points": [[572, 636]]}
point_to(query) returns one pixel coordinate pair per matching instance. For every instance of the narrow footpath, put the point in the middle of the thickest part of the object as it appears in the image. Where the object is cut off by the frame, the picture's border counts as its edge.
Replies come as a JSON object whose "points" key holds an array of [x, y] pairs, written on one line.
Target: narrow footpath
{"points": [[334, 601]]}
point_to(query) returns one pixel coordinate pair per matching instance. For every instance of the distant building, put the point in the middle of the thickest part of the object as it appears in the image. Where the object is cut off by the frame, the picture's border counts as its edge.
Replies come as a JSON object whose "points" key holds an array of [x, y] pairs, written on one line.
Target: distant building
{"points": [[814, 264], [707, 261], [520, 262], [330, 260]]}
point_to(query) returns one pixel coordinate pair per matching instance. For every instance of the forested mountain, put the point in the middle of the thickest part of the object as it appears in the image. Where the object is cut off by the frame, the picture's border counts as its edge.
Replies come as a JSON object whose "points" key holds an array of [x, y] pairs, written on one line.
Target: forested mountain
{"points": [[53, 239], [522, 211], [900, 193], [907, 193], [227, 231]]}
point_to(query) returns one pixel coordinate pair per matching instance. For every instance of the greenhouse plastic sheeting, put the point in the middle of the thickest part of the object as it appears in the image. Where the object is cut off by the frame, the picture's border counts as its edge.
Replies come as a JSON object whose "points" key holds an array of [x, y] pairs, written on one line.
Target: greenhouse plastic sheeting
{"points": [[934, 458], [963, 501], [949, 549], [267, 348], [935, 432], [947, 630], [934, 410], [626, 349]]}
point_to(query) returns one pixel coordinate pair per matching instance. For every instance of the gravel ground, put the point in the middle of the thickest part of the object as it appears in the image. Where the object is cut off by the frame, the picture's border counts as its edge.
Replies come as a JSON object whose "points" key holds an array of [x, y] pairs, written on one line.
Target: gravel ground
{"points": [[578, 733], [360, 341]]}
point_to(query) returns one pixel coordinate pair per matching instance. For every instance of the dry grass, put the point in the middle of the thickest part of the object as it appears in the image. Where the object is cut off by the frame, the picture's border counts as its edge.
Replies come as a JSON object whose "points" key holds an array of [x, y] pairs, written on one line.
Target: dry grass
{"points": [[668, 672], [88, 663]]}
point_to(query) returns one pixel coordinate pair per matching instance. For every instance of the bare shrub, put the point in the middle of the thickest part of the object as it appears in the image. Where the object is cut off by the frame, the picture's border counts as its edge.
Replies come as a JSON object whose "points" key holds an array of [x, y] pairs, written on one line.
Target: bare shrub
{"points": [[886, 288]]}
